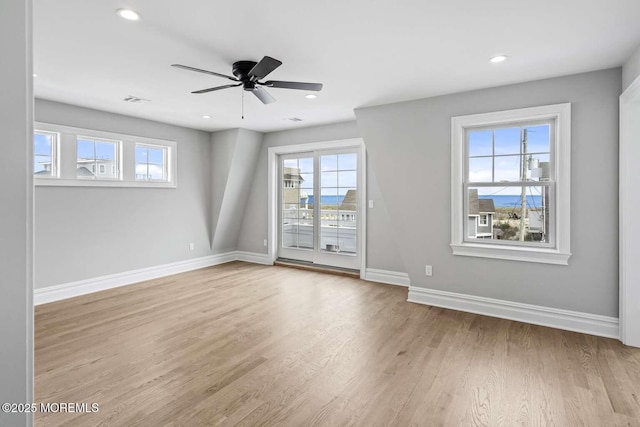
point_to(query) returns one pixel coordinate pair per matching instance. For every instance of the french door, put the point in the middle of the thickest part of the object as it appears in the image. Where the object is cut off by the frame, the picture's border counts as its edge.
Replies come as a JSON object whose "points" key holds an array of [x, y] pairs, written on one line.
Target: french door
{"points": [[319, 207]]}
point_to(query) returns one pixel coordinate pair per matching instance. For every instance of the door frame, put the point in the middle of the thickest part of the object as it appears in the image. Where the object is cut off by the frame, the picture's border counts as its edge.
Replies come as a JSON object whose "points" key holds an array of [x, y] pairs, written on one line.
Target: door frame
{"points": [[272, 214], [629, 200]]}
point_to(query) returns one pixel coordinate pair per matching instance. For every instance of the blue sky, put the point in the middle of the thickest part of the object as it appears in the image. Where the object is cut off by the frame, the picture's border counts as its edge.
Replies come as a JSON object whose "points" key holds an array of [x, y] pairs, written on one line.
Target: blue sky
{"points": [[103, 150], [494, 155], [42, 151]]}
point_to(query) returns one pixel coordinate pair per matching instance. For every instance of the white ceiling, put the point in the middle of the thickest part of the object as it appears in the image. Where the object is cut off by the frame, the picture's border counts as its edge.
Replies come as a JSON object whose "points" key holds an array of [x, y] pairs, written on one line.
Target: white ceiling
{"points": [[366, 52]]}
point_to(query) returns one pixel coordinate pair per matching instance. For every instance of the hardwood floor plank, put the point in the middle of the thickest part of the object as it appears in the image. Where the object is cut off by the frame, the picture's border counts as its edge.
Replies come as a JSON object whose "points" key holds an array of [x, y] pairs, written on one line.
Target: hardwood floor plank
{"points": [[249, 345]]}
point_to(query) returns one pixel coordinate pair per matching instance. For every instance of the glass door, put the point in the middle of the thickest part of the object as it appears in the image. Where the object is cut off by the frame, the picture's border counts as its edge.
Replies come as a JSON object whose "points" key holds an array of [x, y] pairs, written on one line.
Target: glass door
{"points": [[297, 225], [319, 206]]}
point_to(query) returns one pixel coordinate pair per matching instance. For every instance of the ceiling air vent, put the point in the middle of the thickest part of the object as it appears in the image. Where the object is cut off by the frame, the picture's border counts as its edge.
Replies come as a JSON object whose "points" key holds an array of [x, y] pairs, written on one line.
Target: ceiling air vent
{"points": [[135, 100]]}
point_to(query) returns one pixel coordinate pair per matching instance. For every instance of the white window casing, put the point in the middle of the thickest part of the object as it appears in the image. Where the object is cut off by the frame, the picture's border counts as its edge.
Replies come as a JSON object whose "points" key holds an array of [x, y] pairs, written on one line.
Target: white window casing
{"points": [[555, 252], [55, 153], [125, 162]]}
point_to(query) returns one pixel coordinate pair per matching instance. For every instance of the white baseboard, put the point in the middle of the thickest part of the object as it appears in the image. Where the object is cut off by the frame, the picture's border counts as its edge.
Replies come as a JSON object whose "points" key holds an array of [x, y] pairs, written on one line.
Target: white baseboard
{"points": [[389, 277], [592, 324], [96, 284], [253, 257]]}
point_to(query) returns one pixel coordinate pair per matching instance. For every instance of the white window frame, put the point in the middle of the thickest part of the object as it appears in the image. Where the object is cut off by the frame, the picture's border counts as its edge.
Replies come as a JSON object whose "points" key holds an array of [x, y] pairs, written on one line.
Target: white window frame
{"points": [[558, 252], [125, 167], [484, 219], [55, 154], [95, 167], [165, 162]]}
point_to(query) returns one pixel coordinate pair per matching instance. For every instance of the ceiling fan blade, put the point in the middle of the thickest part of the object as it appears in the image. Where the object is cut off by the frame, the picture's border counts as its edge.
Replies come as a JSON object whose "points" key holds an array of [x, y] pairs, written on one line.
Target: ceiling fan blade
{"points": [[293, 85], [264, 67], [263, 95], [198, 70], [211, 89]]}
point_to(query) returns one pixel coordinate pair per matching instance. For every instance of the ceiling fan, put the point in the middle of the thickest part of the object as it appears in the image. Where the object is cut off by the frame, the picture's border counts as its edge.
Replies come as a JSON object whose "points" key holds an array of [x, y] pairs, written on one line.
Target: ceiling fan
{"points": [[248, 75]]}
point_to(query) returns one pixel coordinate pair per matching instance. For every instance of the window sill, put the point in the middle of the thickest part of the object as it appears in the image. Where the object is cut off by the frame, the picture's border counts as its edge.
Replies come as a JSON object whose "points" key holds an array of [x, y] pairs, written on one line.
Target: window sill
{"points": [[55, 182], [512, 253]]}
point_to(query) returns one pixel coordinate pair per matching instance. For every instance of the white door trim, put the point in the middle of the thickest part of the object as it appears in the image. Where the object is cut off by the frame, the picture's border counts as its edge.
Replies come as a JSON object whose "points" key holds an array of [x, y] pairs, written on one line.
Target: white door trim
{"points": [[272, 214], [629, 204]]}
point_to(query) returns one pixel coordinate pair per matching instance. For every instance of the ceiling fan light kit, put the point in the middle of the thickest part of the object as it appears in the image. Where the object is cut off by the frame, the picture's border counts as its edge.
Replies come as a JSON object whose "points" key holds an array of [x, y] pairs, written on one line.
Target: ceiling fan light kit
{"points": [[249, 74]]}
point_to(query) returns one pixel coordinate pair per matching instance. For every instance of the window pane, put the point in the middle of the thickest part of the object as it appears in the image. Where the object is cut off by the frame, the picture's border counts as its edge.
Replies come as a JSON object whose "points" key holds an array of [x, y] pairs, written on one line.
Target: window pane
{"points": [[151, 163], [297, 226], [291, 195], [105, 150], [156, 156], [96, 159], [329, 179], [505, 210], [347, 179], [347, 161], [329, 239], [329, 163], [142, 171], [43, 154], [305, 165], [141, 154], [507, 168], [507, 141], [306, 180], [538, 138], [85, 163], [480, 169], [481, 143], [538, 167], [348, 199], [156, 172], [106, 156]]}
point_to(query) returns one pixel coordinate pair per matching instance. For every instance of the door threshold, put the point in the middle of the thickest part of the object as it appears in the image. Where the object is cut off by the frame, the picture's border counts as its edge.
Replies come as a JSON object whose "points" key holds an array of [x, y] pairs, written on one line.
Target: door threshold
{"points": [[321, 268]]}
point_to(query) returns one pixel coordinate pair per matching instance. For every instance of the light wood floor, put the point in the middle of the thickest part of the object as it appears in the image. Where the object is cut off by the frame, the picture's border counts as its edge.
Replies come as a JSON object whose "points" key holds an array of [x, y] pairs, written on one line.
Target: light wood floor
{"points": [[242, 344]]}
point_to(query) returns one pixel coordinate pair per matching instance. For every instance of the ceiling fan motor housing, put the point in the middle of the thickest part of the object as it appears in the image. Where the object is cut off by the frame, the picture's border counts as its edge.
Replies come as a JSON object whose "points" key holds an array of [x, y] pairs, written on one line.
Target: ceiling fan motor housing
{"points": [[241, 69]]}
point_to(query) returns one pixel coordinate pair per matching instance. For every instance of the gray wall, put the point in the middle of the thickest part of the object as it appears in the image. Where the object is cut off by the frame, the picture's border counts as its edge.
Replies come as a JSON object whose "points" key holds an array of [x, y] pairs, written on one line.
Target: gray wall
{"points": [[409, 149], [234, 156], [631, 69], [86, 232], [16, 210]]}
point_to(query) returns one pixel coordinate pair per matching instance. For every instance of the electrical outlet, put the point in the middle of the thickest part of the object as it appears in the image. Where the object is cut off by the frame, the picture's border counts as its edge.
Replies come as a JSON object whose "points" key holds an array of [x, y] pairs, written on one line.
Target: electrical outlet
{"points": [[370, 204], [265, 242], [428, 270], [191, 246]]}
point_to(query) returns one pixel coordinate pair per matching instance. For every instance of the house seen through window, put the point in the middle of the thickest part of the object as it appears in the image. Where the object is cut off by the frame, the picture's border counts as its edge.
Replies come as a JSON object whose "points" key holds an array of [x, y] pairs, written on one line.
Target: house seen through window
{"points": [[95, 158]]}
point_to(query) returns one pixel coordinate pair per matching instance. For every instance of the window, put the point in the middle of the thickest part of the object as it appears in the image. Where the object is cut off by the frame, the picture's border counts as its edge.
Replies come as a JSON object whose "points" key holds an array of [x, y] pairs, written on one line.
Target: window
{"points": [[510, 184], [95, 153], [45, 154], [151, 163], [68, 156]]}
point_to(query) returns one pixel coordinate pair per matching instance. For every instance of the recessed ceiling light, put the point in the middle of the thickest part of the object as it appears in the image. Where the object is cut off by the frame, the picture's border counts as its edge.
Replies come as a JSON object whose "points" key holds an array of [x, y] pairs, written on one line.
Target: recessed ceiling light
{"points": [[498, 58], [35, 75], [128, 14], [206, 117], [311, 96]]}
